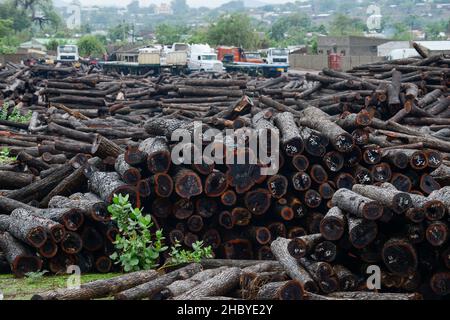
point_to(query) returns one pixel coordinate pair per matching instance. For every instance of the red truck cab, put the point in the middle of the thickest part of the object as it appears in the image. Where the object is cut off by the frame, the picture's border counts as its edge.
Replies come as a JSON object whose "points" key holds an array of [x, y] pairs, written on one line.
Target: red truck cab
{"points": [[235, 54]]}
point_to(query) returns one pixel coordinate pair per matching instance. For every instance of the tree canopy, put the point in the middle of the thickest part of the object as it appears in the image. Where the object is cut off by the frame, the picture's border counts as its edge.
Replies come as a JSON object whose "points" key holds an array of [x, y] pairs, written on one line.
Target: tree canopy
{"points": [[233, 30], [89, 46], [342, 25]]}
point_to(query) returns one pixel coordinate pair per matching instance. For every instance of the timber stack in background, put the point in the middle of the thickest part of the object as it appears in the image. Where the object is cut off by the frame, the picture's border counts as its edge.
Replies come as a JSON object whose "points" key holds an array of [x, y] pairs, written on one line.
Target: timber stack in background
{"points": [[363, 180]]}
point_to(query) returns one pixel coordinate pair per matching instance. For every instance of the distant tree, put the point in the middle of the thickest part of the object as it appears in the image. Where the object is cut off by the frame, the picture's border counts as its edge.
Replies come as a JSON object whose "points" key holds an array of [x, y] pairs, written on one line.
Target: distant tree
{"points": [[198, 35], [90, 46], [233, 30], [52, 45], [290, 25], [433, 30], [313, 44], [40, 12], [119, 32], [86, 28], [401, 32], [168, 34], [5, 27], [321, 29], [342, 25], [179, 6]]}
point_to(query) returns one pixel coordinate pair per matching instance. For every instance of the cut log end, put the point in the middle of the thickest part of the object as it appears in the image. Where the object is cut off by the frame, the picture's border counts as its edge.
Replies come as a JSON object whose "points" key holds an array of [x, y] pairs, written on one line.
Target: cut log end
{"points": [[25, 264], [159, 162]]}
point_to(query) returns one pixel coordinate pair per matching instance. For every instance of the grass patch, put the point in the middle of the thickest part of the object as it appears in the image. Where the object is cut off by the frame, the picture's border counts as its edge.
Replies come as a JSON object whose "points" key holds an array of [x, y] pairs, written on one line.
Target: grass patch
{"points": [[24, 288]]}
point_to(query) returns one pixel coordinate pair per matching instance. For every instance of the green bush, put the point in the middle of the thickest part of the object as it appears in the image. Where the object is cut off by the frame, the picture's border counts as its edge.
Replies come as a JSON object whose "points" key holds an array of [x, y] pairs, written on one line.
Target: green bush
{"points": [[137, 247], [5, 157], [90, 46], [15, 115]]}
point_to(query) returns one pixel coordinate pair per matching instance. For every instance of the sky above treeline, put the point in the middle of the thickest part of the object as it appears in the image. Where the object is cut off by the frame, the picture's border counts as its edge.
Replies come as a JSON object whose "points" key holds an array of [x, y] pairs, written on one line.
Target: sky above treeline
{"points": [[192, 3]]}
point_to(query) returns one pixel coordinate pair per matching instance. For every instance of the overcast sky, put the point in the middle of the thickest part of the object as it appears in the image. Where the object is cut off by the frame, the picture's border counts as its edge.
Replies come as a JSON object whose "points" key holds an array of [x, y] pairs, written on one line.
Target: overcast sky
{"points": [[192, 3]]}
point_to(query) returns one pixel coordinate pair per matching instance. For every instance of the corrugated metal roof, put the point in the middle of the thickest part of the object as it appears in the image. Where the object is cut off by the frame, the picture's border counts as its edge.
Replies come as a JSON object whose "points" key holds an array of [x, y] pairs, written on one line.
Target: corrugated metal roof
{"points": [[430, 45], [435, 45]]}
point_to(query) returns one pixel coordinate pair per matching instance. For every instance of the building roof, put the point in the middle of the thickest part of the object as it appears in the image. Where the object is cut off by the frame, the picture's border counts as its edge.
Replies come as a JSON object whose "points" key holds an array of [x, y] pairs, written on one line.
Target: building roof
{"points": [[435, 45], [430, 45]]}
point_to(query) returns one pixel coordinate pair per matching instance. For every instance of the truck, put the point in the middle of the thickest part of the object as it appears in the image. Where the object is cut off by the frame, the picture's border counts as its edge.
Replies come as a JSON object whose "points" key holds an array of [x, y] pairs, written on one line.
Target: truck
{"points": [[278, 56], [150, 60], [67, 53], [236, 54], [201, 57]]}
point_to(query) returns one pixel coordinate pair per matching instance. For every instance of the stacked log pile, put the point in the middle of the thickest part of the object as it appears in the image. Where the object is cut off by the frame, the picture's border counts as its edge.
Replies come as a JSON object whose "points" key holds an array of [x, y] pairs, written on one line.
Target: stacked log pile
{"points": [[234, 280], [363, 176]]}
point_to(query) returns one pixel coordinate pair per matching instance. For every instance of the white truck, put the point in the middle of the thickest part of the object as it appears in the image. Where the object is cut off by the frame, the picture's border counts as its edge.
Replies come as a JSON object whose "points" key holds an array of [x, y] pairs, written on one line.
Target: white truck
{"points": [[278, 56], [67, 53], [177, 54], [201, 57]]}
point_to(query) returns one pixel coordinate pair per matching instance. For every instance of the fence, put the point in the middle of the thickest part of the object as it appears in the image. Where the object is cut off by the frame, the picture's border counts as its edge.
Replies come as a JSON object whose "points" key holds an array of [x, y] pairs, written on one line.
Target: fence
{"points": [[318, 62]]}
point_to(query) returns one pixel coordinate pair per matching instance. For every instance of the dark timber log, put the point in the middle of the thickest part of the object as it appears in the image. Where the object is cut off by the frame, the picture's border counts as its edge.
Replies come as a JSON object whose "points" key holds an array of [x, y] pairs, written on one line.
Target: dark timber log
{"points": [[219, 285], [399, 256], [99, 288], [71, 243], [284, 290], [440, 283], [54, 229], [187, 183], [179, 287], [228, 198], [153, 287], [290, 265], [316, 119], [26, 231], [32, 161], [437, 233], [41, 187], [49, 249], [107, 184], [361, 232], [215, 184], [258, 201], [332, 226], [18, 256], [394, 199], [103, 148], [347, 280], [128, 173], [356, 204], [300, 247], [277, 185], [67, 186], [158, 154], [12, 180], [292, 142], [162, 184], [94, 209]]}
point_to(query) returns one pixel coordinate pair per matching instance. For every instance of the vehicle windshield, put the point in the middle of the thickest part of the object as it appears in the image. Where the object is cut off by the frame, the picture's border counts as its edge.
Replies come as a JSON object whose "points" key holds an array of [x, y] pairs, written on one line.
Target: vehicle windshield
{"points": [[209, 57], [67, 49], [253, 55], [279, 52], [180, 47]]}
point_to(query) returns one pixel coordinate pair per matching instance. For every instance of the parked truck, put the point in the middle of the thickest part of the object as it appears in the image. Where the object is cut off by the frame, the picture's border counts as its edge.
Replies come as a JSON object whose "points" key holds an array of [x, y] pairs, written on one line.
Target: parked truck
{"points": [[278, 56], [150, 60], [236, 54], [67, 53], [202, 58]]}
